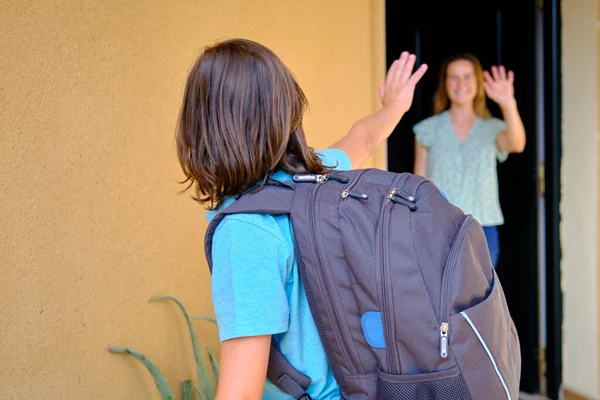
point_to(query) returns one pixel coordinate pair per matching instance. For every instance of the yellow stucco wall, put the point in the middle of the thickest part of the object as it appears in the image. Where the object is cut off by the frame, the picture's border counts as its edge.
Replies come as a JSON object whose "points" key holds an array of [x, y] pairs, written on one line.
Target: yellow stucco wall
{"points": [[91, 225]]}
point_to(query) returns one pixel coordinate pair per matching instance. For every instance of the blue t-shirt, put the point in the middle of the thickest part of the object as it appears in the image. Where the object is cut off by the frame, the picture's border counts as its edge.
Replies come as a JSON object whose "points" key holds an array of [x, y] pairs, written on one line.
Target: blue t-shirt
{"points": [[257, 289]]}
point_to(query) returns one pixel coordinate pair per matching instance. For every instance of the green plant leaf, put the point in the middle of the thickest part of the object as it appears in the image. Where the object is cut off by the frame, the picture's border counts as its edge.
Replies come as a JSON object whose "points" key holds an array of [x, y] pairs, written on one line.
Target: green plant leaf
{"points": [[199, 393], [187, 393], [213, 363], [206, 386], [159, 379], [214, 321]]}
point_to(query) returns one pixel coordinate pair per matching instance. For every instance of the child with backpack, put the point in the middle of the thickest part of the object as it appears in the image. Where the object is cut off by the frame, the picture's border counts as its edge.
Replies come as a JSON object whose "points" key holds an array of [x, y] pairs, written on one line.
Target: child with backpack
{"points": [[240, 128]]}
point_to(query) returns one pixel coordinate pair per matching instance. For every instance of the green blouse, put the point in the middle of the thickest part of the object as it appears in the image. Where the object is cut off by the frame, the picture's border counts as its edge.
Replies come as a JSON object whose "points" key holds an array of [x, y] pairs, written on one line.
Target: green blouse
{"points": [[465, 172]]}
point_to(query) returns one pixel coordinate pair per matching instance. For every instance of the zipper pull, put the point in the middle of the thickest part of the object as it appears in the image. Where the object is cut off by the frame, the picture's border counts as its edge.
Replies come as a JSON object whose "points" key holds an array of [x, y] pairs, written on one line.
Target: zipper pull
{"points": [[339, 178], [403, 195], [444, 339], [400, 197], [310, 178], [360, 196]]}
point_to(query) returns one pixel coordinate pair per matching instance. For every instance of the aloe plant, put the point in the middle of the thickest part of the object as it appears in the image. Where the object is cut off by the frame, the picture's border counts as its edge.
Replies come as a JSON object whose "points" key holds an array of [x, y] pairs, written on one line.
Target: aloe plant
{"points": [[206, 387], [159, 379], [186, 390], [206, 390]]}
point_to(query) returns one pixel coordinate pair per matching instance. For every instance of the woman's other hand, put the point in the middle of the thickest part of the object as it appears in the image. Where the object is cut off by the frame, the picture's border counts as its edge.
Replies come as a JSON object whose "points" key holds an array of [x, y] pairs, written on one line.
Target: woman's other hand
{"points": [[499, 86]]}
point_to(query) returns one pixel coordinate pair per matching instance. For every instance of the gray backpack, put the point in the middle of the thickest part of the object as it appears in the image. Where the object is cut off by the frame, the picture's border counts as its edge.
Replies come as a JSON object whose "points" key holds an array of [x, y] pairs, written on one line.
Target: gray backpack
{"points": [[400, 285]]}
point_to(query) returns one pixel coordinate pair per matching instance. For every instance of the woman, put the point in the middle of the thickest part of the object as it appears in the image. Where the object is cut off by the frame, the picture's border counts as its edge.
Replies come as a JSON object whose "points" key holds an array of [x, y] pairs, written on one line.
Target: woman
{"points": [[458, 146]]}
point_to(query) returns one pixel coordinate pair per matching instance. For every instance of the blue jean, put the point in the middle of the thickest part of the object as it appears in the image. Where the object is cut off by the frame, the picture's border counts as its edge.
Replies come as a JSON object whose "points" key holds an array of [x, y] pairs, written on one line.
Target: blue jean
{"points": [[491, 235]]}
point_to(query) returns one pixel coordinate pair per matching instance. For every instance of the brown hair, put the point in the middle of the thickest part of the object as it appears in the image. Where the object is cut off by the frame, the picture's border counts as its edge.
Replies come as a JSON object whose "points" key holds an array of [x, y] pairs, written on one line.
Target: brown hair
{"points": [[441, 101], [240, 121]]}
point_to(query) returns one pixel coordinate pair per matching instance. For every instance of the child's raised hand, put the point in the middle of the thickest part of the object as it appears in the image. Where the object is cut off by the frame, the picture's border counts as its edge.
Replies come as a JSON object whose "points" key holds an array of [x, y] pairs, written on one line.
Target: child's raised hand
{"points": [[400, 82], [396, 96]]}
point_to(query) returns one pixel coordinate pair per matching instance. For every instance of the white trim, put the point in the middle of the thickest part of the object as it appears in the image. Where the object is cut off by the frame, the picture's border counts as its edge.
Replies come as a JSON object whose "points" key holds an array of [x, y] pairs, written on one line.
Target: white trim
{"points": [[487, 350]]}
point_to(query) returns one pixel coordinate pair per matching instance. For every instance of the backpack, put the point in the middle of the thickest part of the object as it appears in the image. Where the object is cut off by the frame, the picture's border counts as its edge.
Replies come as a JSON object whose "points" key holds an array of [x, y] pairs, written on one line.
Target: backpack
{"points": [[400, 285]]}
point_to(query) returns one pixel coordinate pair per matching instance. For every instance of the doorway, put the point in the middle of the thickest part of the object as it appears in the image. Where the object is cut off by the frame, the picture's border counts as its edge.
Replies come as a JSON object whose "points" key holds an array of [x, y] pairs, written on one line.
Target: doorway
{"points": [[516, 34]]}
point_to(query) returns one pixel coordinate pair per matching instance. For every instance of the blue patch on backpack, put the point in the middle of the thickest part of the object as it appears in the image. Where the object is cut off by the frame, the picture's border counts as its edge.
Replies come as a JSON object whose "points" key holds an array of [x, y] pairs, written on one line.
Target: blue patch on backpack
{"points": [[372, 326], [443, 194]]}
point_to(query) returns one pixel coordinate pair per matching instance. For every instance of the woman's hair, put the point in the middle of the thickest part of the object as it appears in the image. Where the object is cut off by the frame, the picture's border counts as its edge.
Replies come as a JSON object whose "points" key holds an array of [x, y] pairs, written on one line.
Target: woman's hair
{"points": [[441, 100], [240, 121]]}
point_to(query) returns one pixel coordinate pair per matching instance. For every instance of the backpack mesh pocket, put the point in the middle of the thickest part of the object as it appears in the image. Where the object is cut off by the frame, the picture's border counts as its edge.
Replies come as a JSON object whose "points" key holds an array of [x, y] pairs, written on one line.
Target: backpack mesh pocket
{"points": [[431, 386]]}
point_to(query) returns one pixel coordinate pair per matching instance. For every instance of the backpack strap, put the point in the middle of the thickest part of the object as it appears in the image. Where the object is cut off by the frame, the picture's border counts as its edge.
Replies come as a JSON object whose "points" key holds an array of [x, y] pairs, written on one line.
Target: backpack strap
{"points": [[275, 198], [287, 378]]}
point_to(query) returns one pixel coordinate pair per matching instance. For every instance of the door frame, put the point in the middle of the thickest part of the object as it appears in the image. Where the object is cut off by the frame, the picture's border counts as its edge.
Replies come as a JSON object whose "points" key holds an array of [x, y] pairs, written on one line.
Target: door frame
{"points": [[552, 182]]}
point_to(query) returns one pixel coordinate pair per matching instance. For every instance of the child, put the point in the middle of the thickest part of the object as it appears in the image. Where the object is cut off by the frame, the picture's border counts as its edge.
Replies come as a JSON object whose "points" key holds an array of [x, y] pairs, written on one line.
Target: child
{"points": [[241, 120]]}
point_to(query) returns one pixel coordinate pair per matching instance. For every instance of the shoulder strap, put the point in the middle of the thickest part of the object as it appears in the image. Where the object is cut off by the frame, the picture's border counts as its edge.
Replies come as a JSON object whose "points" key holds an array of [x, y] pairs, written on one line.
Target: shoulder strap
{"points": [[271, 199], [275, 198], [287, 378]]}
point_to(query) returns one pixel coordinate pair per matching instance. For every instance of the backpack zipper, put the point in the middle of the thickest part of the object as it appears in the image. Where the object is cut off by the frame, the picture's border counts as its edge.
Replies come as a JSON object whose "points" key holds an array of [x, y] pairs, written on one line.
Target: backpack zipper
{"points": [[447, 281], [319, 178], [399, 196], [360, 196], [326, 293], [347, 192], [386, 312], [394, 364]]}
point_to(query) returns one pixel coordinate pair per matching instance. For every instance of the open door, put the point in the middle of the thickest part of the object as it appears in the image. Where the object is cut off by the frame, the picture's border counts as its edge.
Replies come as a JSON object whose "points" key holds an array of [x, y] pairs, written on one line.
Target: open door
{"points": [[499, 32]]}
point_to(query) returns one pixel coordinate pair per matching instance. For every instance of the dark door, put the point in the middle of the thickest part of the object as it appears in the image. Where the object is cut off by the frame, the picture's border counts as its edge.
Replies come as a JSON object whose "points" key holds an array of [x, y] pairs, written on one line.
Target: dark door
{"points": [[498, 32]]}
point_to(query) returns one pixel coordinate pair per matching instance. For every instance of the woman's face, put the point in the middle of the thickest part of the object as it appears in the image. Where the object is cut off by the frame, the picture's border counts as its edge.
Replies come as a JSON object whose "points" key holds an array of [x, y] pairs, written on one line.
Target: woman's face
{"points": [[461, 84]]}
